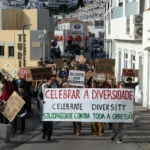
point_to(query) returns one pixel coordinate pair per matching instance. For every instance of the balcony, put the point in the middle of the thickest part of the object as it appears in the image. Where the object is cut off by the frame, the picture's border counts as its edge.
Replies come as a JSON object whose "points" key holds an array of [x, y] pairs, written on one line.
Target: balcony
{"points": [[132, 8], [117, 12]]}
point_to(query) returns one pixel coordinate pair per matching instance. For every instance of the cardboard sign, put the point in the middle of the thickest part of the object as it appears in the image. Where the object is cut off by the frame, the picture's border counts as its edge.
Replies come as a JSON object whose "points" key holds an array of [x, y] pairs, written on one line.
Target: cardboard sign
{"points": [[9, 71], [130, 72], [81, 59], [59, 62], [41, 73], [12, 107], [22, 72], [28, 74], [76, 78], [106, 66], [88, 105], [88, 74], [59, 80], [51, 65], [99, 77]]}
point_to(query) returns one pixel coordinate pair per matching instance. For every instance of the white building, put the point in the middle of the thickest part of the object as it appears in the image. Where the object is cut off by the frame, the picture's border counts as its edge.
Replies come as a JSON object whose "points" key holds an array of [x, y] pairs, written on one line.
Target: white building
{"points": [[128, 41]]}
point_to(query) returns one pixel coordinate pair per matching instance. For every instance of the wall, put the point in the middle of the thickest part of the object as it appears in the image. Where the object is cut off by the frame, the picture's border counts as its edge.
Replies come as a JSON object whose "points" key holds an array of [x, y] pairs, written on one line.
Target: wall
{"points": [[132, 48], [30, 16], [11, 19], [8, 36]]}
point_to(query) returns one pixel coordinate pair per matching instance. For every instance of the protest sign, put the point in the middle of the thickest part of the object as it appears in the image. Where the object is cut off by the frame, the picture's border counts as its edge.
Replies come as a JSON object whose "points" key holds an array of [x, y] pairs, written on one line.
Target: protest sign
{"points": [[22, 72], [51, 65], [88, 105], [12, 107], [106, 66], [59, 80], [28, 74], [81, 59], [9, 71], [99, 77], [59, 62], [89, 74], [41, 73], [76, 78], [130, 72]]}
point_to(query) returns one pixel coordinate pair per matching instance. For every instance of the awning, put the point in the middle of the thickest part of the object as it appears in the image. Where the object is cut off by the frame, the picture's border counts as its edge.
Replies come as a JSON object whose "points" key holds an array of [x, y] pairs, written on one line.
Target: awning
{"points": [[85, 38], [70, 38], [78, 38]]}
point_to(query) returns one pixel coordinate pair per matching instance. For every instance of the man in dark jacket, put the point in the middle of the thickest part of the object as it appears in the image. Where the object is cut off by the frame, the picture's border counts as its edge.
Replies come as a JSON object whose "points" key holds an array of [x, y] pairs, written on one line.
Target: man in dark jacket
{"points": [[47, 127], [25, 96]]}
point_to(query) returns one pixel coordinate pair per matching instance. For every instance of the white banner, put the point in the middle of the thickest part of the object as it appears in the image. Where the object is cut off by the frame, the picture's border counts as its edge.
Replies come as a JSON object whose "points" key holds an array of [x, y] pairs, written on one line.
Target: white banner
{"points": [[76, 78], [88, 105]]}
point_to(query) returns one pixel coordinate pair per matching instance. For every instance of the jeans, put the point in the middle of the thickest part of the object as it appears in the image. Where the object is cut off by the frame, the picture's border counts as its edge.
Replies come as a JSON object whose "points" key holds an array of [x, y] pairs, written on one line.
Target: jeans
{"points": [[118, 129]]}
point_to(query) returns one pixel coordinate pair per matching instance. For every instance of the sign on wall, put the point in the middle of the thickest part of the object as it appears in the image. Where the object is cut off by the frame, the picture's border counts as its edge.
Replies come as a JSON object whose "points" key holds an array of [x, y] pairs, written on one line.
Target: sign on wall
{"points": [[76, 78], [77, 27], [88, 105]]}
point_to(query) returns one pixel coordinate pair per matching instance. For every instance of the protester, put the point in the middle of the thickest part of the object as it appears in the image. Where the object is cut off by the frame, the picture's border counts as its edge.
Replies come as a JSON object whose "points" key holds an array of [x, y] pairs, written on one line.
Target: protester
{"points": [[47, 125], [7, 90], [112, 85], [118, 128], [97, 127], [77, 125], [25, 96]]}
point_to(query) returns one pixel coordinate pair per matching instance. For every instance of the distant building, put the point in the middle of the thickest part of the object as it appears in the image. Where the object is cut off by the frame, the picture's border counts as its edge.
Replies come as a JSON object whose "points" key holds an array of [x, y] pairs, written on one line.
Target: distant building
{"points": [[35, 43], [72, 31]]}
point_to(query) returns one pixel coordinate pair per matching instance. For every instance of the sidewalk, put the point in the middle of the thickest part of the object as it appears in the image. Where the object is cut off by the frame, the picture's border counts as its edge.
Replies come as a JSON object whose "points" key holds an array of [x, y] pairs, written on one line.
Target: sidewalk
{"points": [[17, 139], [141, 134]]}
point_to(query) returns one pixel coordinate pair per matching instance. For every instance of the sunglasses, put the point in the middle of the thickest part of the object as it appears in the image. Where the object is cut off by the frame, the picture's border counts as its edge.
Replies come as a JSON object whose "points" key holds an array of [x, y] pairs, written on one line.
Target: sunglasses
{"points": [[122, 85]]}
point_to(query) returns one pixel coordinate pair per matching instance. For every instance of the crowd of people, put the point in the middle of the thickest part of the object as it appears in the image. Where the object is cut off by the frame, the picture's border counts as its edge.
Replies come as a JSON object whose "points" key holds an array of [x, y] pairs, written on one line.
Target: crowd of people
{"points": [[22, 87]]}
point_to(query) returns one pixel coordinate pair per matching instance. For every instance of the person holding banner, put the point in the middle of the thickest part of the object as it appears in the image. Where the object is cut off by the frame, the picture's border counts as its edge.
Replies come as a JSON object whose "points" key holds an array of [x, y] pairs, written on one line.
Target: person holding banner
{"points": [[118, 128], [97, 127], [47, 127]]}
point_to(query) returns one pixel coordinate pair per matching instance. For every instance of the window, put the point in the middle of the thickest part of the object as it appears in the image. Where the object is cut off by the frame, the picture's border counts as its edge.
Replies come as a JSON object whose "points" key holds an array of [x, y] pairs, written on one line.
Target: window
{"points": [[11, 51], [133, 61], [1, 50], [126, 61]]}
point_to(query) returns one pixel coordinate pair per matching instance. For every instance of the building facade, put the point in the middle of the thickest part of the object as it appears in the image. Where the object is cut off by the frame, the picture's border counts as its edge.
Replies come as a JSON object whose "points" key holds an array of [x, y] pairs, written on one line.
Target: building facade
{"points": [[72, 31], [127, 41], [25, 51]]}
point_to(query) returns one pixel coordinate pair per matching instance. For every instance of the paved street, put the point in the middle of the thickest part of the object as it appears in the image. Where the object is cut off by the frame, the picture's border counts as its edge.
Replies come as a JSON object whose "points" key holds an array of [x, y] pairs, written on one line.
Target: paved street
{"points": [[135, 138], [64, 139]]}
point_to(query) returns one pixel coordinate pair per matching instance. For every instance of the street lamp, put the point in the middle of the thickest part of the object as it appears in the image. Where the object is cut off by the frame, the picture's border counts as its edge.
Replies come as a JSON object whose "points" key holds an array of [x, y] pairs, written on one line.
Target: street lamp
{"points": [[24, 27]]}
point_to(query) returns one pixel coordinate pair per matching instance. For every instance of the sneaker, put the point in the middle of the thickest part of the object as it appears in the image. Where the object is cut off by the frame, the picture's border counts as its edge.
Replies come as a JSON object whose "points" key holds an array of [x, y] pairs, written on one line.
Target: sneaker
{"points": [[119, 140], [48, 138]]}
